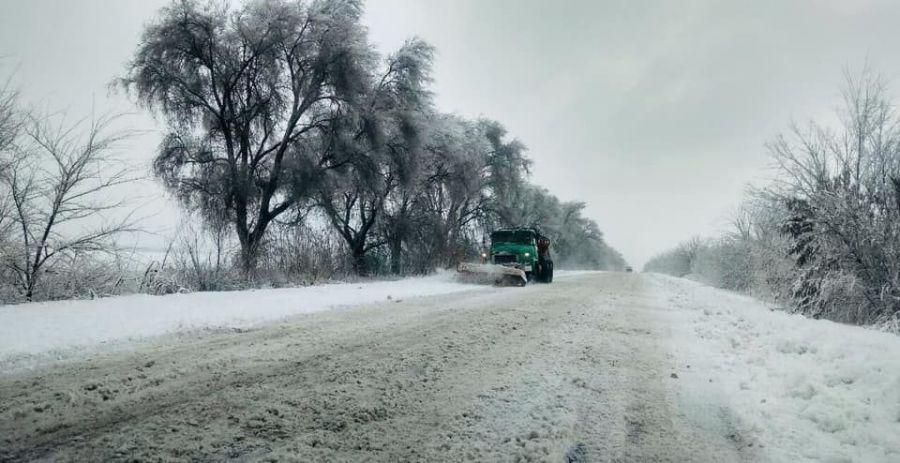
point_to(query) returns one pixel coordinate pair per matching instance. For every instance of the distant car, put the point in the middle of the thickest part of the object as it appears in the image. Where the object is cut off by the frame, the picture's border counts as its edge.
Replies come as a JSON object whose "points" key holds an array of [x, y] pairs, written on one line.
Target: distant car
{"points": [[629, 269]]}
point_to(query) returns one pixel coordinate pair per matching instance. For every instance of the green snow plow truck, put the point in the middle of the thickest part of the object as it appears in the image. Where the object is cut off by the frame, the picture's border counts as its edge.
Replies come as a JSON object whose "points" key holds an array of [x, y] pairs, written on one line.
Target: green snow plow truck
{"points": [[516, 255]]}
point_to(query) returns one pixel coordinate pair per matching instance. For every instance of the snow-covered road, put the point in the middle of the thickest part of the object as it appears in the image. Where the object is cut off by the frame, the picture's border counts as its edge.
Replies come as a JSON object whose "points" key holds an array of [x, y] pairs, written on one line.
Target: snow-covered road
{"points": [[595, 367]]}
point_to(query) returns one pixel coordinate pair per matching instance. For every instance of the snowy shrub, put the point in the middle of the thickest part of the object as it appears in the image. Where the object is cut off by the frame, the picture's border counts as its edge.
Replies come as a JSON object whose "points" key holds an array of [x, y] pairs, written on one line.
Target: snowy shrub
{"points": [[841, 188], [673, 262], [677, 262], [303, 254], [824, 239], [724, 263], [772, 272], [79, 276]]}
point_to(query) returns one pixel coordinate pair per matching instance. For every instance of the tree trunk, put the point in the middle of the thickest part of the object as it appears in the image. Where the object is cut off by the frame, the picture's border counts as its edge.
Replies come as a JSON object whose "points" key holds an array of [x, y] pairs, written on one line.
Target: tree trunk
{"points": [[358, 255], [249, 249], [453, 253], [396, 251], [248, 261], [31, 282], [29, 290]]}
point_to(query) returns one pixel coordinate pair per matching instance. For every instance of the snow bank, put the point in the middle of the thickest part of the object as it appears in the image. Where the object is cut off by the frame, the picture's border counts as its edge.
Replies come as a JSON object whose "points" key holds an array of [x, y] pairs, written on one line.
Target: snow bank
{"points": [[809, 390], [558, 273], [42, 328]]}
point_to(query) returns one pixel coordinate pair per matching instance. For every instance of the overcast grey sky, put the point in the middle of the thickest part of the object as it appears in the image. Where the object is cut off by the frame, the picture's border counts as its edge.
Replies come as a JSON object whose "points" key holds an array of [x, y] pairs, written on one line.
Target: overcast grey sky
{"points": [[653, 112]]}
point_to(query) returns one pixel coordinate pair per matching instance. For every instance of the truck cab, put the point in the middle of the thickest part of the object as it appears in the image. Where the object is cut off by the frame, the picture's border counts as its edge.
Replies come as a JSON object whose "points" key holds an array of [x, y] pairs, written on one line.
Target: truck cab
{"points": [[525, 249]]}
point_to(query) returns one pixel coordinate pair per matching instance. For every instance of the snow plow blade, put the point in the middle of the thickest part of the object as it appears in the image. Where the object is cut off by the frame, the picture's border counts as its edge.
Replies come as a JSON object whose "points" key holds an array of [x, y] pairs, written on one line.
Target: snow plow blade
{"points": [[489, 273]]}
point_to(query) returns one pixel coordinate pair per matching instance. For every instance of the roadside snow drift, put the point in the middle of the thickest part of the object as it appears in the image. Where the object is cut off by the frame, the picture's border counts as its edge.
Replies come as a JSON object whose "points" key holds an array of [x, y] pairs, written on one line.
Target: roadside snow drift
{"points": [[40, 328], [807, 390]]}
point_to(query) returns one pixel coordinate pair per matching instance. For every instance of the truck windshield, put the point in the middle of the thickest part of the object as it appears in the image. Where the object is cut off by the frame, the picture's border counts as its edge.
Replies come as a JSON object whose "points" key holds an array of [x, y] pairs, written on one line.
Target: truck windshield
{"points": [[516, 237]]}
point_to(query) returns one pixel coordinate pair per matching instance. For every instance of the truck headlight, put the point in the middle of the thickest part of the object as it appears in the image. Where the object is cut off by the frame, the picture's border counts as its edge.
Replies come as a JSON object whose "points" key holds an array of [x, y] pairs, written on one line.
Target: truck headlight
{"points": [[483, 254], [527, 254]]}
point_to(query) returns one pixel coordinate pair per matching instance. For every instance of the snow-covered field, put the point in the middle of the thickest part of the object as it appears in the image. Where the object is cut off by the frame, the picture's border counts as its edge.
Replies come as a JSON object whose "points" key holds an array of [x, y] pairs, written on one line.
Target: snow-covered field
{"points": [[806, 389]]}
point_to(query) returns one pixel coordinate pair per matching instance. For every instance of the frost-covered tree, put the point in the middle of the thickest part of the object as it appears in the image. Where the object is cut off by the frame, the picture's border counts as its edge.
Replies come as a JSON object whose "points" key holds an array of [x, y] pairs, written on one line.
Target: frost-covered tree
{"points": [[824, 238], [380, 147], [453, 199], [10, 124], [840, 189], [507, 171], [246, 91]]}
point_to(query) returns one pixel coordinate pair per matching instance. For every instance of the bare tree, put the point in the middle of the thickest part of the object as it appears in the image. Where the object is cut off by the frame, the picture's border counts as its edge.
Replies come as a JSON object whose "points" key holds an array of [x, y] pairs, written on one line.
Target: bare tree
{"points": [[59, 183]]}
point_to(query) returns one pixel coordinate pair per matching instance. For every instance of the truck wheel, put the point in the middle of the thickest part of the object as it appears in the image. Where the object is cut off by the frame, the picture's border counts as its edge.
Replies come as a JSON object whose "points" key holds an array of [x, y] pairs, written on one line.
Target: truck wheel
{"points": [[545, 272]]}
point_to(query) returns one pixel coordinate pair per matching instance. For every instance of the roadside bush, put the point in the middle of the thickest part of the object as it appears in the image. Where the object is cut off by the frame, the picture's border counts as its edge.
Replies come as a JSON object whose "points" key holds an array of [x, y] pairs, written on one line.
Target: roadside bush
{"points": [[303, 254], [824, 238], [724, 263], [677, 262]]}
